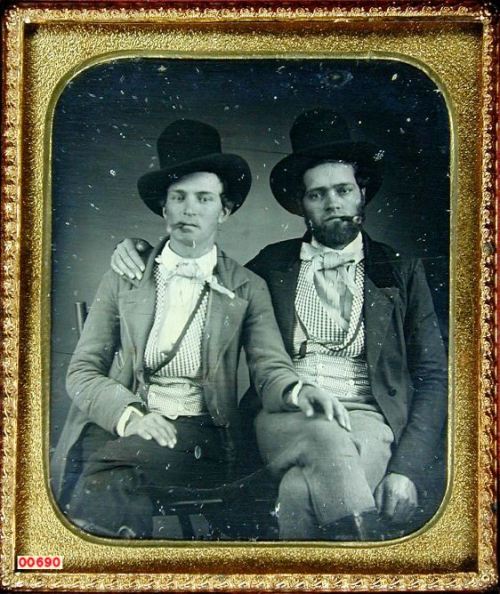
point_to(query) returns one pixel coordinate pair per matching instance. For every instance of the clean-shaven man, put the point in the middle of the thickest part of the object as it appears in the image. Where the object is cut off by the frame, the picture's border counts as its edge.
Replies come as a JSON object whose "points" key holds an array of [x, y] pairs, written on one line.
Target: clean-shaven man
{"points": [[153, 377]]}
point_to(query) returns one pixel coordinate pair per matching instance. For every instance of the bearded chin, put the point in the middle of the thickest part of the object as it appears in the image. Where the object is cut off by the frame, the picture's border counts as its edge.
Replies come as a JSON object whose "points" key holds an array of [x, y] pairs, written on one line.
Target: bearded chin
{"points": [[340, 233]]}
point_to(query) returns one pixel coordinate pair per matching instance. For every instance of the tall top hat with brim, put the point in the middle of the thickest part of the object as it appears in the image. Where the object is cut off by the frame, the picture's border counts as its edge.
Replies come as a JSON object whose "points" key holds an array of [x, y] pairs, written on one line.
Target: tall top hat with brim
{"points": [[319, 135], [188, 146]]}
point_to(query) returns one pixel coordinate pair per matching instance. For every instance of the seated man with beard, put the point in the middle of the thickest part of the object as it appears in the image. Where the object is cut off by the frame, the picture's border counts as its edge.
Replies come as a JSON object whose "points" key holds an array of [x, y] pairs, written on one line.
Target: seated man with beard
{"points": [[358, 320]]}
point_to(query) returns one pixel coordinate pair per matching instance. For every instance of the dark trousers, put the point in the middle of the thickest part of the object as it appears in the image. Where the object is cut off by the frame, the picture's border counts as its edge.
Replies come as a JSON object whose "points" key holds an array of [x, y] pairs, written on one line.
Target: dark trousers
{"points": [[123, 479]]}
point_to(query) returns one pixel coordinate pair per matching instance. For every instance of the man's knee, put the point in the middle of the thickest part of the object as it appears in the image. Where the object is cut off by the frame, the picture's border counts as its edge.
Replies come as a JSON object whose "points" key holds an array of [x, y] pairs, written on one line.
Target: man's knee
{"points": [[314, 442], [109, 469], [320, 439]]}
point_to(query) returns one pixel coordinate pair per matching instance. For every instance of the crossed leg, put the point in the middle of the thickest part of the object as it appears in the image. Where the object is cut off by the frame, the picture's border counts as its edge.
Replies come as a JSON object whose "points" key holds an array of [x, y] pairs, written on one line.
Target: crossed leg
{"points": [[326, 472]]}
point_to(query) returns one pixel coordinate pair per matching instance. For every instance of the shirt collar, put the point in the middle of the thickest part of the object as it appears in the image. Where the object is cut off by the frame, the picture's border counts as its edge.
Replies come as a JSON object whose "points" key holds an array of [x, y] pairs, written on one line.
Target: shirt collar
{"points": [[355, 246], [170, 259]]}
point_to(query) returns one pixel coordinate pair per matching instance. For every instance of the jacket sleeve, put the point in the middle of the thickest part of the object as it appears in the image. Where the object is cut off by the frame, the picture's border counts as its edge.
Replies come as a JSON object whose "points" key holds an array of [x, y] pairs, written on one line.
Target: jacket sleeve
{"points": [[101, 398], [427, 364], [271, 369]]}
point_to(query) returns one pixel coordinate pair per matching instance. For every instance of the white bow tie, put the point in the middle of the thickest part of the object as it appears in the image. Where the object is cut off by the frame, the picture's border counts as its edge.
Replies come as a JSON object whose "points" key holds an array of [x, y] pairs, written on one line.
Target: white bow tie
{"points": [[191, 270], [184, 269], [330, 276]]}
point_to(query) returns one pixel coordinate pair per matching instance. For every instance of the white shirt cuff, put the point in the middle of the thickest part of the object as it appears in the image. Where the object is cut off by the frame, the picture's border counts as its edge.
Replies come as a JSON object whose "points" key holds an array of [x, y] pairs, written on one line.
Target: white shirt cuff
{"points": [[292, 396], [120, 426]]}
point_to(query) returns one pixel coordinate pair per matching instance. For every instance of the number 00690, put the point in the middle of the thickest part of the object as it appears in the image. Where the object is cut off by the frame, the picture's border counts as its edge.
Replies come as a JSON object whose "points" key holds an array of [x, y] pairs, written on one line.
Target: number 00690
{"points": [[39, 562]]}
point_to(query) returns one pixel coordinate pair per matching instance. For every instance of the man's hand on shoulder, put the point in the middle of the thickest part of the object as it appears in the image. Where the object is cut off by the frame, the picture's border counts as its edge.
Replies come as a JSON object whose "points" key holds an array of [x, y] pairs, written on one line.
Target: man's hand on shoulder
{"points": [[312, 398], [396, 497], [126, 259], [152, 426]]}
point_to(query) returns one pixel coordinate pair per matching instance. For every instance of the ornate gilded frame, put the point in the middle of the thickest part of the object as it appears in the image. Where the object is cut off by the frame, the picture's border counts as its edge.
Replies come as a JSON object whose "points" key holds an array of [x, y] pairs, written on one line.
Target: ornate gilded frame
{"points": [[44, 44]]}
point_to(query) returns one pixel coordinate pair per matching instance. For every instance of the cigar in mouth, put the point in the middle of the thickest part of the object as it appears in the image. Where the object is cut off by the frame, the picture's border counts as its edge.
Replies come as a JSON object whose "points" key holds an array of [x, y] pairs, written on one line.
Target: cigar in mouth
{"points": [[355, 219]]}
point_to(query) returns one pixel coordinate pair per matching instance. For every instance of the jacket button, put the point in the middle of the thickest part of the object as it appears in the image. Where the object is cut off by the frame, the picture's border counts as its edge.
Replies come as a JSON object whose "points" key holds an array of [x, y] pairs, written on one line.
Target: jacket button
{"points": [[392, 392]]}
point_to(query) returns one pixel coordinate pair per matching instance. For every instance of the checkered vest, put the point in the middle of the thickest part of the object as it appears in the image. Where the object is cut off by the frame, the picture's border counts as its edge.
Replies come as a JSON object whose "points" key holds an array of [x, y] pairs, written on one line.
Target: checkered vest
{"points": [[325, 354], [176, 388]]}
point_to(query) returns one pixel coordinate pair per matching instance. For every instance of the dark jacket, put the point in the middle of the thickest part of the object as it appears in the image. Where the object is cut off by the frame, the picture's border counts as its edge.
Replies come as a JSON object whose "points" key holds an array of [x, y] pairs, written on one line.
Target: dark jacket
{"points": [[107, 364], [406, 358]]}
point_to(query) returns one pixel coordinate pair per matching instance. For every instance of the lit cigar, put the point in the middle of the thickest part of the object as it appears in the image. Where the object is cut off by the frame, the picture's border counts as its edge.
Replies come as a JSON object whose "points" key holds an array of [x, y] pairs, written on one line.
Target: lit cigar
{"points": [[355, 219]]}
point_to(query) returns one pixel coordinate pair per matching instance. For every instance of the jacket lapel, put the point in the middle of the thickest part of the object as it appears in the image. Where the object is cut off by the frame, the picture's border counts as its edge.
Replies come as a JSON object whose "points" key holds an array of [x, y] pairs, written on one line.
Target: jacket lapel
{"points": [[138, 307], [225, 314], [282, 284], [380, 293]]}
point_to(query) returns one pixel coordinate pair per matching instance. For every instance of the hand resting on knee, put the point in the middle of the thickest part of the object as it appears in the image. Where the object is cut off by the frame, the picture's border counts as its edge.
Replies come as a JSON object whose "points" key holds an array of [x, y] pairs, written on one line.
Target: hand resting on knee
{"points": [[152, 426], [311, 398]]}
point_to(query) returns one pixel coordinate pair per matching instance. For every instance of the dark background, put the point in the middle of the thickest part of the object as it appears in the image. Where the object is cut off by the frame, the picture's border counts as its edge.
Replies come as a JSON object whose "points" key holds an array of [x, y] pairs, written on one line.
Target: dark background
{"points": [[108, 118]]}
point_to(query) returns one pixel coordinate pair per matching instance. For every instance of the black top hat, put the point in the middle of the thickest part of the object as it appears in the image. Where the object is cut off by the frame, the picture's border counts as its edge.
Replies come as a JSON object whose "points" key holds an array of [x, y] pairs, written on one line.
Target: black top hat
{"points": [[187, 146], [318, 135]]}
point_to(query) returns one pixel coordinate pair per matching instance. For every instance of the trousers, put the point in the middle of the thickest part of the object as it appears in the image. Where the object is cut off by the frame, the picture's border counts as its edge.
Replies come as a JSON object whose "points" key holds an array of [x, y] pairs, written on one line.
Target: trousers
{"points": [[124, 478], [326, 472]]}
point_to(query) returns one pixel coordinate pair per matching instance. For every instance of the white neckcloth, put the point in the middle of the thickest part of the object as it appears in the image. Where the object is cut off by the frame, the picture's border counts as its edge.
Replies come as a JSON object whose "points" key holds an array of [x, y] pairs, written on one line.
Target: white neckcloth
{"points": [[182, 292]]}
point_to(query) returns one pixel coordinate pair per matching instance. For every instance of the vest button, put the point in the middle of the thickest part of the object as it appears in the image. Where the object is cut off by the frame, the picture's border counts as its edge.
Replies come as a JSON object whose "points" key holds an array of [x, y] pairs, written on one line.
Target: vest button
{"points": [[392, 392]]}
